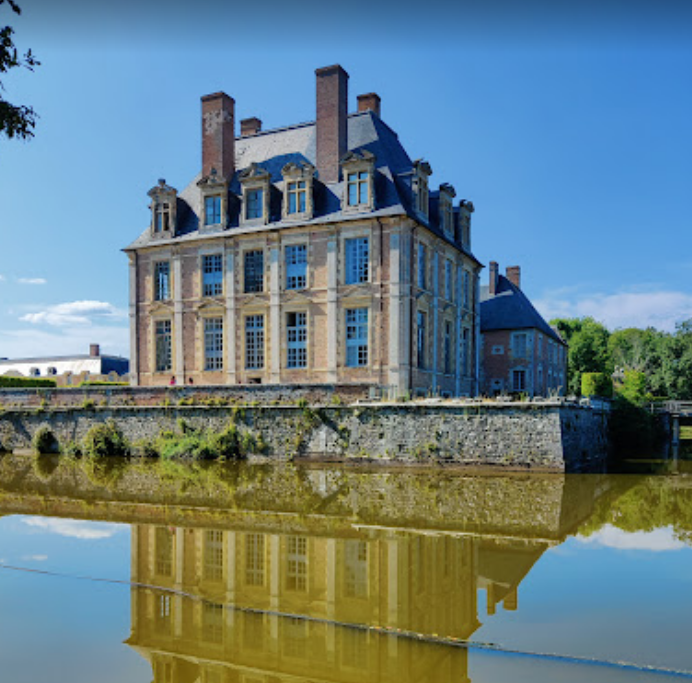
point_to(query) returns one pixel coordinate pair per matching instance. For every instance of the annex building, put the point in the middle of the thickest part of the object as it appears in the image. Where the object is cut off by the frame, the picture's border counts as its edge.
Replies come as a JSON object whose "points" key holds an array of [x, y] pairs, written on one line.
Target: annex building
{"points": [[521, 353], [313, 253]]}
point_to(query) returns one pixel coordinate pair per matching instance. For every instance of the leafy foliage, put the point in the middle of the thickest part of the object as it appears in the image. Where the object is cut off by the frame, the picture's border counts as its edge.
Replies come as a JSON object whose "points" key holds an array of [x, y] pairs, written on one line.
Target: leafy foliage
{"points": [[19, 382], [15, 120], [596, 384], [105, 440], [44, 440]]}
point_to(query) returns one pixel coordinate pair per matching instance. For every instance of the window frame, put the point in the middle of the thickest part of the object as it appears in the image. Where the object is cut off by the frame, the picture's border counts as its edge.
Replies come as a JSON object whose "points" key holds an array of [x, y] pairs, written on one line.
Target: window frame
{"points": [[356, 260], [253, 274], [296, 270], [213, 331], [163, 345], [357, 337], [421, 340], [162, 287], [255, 341], [212, 286], [296, 340], [209, 216]]}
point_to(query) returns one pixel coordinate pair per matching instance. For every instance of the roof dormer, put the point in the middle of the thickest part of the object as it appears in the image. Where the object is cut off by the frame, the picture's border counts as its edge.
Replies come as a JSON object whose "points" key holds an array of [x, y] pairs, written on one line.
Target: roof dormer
{"points": [[254, 181], [298, 199], [214, 190], [163, 209], [446, 209], [358, 170], [421, 193]]}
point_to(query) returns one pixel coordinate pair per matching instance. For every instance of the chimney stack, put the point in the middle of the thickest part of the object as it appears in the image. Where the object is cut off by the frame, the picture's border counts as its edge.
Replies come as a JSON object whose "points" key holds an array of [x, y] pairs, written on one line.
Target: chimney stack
{"points": [[370, 101], [493, 271], [513, 274], [218, 135], [250, 126], [332, 121], [94, 350]]}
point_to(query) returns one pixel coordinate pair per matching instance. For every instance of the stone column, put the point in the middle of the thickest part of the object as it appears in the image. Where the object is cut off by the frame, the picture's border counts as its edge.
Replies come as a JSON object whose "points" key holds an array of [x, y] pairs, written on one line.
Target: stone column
{"points": [[332, 309], [178, 361], [134, 323], [231, 323], [275, 340]]}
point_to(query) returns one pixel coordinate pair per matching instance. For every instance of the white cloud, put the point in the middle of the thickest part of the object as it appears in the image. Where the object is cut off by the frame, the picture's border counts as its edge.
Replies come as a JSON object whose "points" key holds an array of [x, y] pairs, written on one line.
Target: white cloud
{"points": [[2, 278], [35, 558], [75, 313], [67, 341], [658, 540], [31, 280], [660, 309], [73, 528]]}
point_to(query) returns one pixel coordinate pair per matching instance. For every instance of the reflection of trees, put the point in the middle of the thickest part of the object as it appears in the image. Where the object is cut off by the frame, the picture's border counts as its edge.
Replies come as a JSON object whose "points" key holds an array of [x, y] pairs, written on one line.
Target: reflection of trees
{"points": [[652, 503]]}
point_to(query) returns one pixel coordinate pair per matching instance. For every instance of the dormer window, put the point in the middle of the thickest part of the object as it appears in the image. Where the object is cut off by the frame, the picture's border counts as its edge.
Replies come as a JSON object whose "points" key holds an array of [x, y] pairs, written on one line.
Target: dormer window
{"points": [[212, 210], [358, 169], [298, 190], [447, 194], [297, 200], [255, 183], [163, 209], [421, 194], [214, 200]]}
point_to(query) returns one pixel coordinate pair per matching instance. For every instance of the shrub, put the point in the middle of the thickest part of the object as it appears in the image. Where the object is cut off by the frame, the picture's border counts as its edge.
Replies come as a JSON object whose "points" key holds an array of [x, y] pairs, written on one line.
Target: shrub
{"points": [[596, 384], [99, 383], [44, 441], [104, 440], [14, 382]]}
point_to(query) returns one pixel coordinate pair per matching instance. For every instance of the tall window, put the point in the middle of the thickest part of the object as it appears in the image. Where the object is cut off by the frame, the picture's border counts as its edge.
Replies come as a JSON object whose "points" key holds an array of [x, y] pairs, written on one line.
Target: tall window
{"points": [[357, 188], [254, 271], [357, 260], [213, 555], [212, 622], [254, 342], [465, 348], [297, 339], [422, 196], [212, 210], [162, 281], [164, 552], [213, 344], [162, 217], [297, 196], [355, 569], [356, 337], [448, 347], [421, 265], [540, 345], [297, 563], [518, 380], [254, 559], [420, 332], [296, 266], [448, 280], [519, 345], [212, 275], [163, 345], [466, 285]]}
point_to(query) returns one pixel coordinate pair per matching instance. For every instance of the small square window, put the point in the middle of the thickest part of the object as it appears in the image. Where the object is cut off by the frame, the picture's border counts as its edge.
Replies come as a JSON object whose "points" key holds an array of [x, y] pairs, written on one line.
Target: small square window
{"points": [[358, 188]]}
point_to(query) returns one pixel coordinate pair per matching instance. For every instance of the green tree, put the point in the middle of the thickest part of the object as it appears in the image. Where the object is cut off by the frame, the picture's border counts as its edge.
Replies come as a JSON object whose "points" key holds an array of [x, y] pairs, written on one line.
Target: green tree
{"points": [[640, 351], [676, 362], [588, 349], [15, 120]]}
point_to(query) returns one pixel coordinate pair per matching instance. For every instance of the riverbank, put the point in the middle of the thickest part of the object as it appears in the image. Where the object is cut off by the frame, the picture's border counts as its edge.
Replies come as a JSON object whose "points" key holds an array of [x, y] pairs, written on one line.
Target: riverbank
{"points": [[548, 435]]}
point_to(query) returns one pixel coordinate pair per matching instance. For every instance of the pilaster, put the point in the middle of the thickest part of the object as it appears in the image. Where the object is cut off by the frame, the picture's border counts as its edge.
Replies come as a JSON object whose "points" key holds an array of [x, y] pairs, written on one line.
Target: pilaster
{"points": [[332, 309]]}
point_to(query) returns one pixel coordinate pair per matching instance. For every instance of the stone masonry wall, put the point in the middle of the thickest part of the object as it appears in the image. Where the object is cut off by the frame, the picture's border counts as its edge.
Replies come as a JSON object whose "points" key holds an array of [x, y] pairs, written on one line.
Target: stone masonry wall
{"points": [[547, 436]]}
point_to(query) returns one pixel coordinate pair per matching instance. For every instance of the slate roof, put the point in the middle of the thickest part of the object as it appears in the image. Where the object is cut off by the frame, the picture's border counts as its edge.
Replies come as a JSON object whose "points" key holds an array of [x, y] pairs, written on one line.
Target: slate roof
{"points": [[510, 309], [272, 149]]}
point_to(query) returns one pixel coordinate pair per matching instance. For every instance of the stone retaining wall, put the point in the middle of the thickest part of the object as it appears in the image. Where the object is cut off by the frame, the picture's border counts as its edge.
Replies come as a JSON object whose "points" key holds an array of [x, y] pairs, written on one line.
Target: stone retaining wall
{"points": [[548, 436]]}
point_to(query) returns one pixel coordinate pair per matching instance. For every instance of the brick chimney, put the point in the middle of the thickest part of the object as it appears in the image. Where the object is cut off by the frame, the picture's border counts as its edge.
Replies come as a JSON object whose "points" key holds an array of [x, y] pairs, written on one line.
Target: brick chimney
{"points": [[332, 121], [218, 135], [513, 274], [370, 101], [94, 350], [493, 271], [250, 126]]}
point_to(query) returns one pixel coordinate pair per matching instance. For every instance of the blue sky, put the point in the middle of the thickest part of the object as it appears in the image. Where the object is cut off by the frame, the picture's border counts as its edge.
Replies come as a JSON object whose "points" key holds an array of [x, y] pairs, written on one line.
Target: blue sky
{"points": [[567, 125]]}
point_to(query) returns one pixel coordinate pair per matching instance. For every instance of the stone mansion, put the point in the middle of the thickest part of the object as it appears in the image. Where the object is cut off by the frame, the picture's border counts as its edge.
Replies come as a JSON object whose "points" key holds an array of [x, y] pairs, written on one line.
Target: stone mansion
{"points": [[316, 253]]}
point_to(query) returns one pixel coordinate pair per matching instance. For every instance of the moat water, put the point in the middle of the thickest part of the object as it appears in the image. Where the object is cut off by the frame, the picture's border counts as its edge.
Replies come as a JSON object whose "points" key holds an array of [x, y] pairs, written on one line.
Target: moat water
{"points": [[260, 574]]}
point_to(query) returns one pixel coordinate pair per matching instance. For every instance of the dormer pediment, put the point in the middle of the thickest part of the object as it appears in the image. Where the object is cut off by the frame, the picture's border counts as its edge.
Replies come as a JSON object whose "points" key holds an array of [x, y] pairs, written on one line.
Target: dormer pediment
{"points": [[362, 156], [254, 172], [213, 181], [161, 309]]}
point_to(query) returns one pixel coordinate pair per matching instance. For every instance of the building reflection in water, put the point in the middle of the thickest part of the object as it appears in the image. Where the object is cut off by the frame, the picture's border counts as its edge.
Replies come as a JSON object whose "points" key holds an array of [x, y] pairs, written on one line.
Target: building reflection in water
{"points": [[305, 591]]}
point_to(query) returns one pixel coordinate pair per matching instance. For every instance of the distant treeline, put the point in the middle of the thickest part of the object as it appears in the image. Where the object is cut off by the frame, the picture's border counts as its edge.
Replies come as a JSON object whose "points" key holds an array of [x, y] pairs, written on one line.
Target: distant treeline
{"points": [[664, 359]]}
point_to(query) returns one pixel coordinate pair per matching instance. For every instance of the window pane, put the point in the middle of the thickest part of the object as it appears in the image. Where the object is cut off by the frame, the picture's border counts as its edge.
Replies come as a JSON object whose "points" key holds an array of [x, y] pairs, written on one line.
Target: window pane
{"points": [[356, 337], [357, 260], [212, 210], [213, 344], [254, 271], [162, 279], [296, 338], [212, 275], [254, 342], [163, 345], [296, 266], [254, 204]]}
